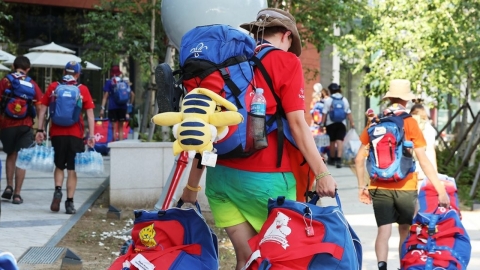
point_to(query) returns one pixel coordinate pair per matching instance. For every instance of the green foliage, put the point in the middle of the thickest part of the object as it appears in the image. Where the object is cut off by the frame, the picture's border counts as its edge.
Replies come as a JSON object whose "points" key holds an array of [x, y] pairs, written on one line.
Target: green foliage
{"points": [[435, 44], [465, 181], [3, 18], [316, 19], [123, 28]]}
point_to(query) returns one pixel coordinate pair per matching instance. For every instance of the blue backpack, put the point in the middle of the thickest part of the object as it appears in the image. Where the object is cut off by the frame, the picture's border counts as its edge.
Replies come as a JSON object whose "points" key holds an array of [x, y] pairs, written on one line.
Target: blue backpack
{"points": [[121, 92], [173, 239], [299, 236], [337, 110], [66, 105], [17, 101], [390, 156], [222, 58]]}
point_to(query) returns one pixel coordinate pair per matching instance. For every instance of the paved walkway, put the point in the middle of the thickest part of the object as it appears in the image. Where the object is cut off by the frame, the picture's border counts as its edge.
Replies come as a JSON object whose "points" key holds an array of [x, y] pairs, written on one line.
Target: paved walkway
{"points": [[32, 224]]}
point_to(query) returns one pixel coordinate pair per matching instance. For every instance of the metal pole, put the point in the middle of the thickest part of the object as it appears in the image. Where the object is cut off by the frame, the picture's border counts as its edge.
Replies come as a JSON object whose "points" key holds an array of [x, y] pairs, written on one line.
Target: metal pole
{"points": [[174, 178]]}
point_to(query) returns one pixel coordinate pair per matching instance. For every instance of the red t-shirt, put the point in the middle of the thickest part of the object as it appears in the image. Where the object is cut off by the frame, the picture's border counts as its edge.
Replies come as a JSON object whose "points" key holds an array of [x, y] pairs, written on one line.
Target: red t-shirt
{"points": [[6, 121], [286, 72], [76, 130]]}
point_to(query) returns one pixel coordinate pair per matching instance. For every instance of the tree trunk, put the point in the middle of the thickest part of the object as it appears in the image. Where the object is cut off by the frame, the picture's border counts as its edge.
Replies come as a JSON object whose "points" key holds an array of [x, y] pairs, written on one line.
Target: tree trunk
{"points": [[151, 86]]}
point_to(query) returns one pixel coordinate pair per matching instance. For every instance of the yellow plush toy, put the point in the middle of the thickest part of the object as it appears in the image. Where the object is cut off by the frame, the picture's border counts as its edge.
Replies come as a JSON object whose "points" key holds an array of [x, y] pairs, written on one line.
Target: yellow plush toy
{"points": [[199, 123]]}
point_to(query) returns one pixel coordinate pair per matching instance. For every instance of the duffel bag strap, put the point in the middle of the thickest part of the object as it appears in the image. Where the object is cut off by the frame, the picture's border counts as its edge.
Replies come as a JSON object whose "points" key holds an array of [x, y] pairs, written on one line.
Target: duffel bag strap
{"points": [[333, 249]]}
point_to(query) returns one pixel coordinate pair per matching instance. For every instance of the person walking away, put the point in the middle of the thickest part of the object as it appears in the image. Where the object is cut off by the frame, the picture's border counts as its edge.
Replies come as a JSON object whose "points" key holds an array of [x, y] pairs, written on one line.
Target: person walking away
{"points": [[419, 113], [316, 108], [117, 101], [240, 204], [335, 113], [19, 96], [394, 201], [67, 130]]}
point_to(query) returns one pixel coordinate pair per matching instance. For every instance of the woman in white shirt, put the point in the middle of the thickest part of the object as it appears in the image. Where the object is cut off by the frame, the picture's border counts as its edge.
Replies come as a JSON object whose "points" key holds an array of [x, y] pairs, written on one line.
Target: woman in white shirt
{"points": [[419, 113]]}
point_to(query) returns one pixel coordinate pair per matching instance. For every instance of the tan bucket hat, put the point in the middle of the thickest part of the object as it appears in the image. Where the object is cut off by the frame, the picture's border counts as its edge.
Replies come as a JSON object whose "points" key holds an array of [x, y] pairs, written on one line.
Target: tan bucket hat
{"points": [[400, 88], [270, 17]]}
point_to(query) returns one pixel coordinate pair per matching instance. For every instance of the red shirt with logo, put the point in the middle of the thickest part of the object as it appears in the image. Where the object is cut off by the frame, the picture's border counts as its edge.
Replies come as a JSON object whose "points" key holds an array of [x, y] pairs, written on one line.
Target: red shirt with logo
{"points": [[77, 129], [5, 121], [285, 70]]}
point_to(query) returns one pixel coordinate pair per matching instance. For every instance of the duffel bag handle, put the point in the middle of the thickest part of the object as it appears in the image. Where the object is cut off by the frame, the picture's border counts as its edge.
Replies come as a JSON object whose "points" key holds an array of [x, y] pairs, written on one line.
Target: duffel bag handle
{"points": [[181, 202], [315, 199]]}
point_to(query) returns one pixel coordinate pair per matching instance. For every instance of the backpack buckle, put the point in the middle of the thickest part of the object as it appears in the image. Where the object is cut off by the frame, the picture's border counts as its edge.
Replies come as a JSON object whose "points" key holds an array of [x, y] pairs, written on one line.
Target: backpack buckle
{"points": [[432, 231], [225, 74]]}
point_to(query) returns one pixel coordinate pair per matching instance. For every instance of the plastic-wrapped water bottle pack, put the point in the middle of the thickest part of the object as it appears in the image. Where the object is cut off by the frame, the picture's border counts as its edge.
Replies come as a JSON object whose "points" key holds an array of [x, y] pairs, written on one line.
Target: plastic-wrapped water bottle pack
{"points": [[89, 162], [36, 158]]}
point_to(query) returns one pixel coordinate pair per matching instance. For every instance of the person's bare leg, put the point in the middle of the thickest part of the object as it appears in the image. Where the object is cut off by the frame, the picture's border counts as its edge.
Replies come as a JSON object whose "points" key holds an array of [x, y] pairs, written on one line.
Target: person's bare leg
{"points": [[115, 131], [333, 154], [19, 177], [120, 130], [403, 231], [58, 176], [381, 243], [239, 235], [10, 167], [71, 183], [339, 149]]}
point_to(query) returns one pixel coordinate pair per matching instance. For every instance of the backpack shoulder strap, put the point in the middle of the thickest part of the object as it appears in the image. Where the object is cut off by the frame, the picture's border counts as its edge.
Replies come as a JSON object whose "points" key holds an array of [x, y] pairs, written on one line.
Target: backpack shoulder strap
{"points": [[279, 112]]}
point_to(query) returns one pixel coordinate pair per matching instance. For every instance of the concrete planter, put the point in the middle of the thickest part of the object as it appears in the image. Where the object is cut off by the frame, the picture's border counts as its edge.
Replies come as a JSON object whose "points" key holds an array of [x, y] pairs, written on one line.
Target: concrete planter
{"points": [[139, 172]]}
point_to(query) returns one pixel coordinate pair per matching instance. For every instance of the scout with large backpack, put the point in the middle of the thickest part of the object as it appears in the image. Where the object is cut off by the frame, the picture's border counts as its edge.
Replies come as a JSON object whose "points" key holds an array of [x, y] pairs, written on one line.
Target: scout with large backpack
{"points": [[120, 91], [66, 104], [223, 59], [305, 236], [390, 155], [17, 102]]}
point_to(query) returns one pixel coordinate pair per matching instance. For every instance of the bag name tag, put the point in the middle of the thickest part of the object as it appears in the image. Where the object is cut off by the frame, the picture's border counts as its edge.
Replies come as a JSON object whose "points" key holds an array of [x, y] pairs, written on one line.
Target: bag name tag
{"points": [[142, 263], [209, 159]]}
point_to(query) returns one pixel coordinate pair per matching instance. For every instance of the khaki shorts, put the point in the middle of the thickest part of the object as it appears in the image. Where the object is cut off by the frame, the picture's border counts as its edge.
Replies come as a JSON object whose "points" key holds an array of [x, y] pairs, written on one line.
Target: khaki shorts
{"points": [[393, 206]]}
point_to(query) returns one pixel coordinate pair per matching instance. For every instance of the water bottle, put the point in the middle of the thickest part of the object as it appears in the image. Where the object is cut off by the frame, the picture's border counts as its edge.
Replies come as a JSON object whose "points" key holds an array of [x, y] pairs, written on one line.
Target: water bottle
{"points": [[407, 149], [257, 123]]}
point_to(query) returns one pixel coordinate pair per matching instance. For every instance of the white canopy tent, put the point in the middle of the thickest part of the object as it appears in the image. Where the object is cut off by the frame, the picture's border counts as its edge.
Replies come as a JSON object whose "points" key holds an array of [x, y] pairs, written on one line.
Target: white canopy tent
{"points": [[52, 56], [5, 56], [4, 68]]}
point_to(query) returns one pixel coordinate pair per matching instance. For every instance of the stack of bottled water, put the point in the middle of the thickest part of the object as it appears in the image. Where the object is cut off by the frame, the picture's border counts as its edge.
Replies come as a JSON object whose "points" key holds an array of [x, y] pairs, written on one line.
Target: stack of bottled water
{"points": [[24, 158], [36, 158], [322, 140], [89, 162]]}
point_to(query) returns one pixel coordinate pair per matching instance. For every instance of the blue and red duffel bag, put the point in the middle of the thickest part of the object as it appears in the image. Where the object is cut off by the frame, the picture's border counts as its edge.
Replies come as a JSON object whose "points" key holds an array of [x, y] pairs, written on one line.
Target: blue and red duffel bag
{"points": [[436, 241]]}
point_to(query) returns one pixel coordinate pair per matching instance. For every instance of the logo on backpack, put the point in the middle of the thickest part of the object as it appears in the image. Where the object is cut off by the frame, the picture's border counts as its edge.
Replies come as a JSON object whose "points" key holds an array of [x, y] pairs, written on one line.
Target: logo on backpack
{"points": [[121, 91], [65, 105], [337, 110], [226, 68], [300, 236], [390, 155], [17, 102]]}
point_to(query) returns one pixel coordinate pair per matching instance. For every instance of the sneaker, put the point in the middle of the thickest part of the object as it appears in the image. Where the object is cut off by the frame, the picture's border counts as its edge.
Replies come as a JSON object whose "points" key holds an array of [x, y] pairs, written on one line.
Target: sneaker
{"points": [[70, 208], [338, 164], [57, 198], [330, 161]]}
